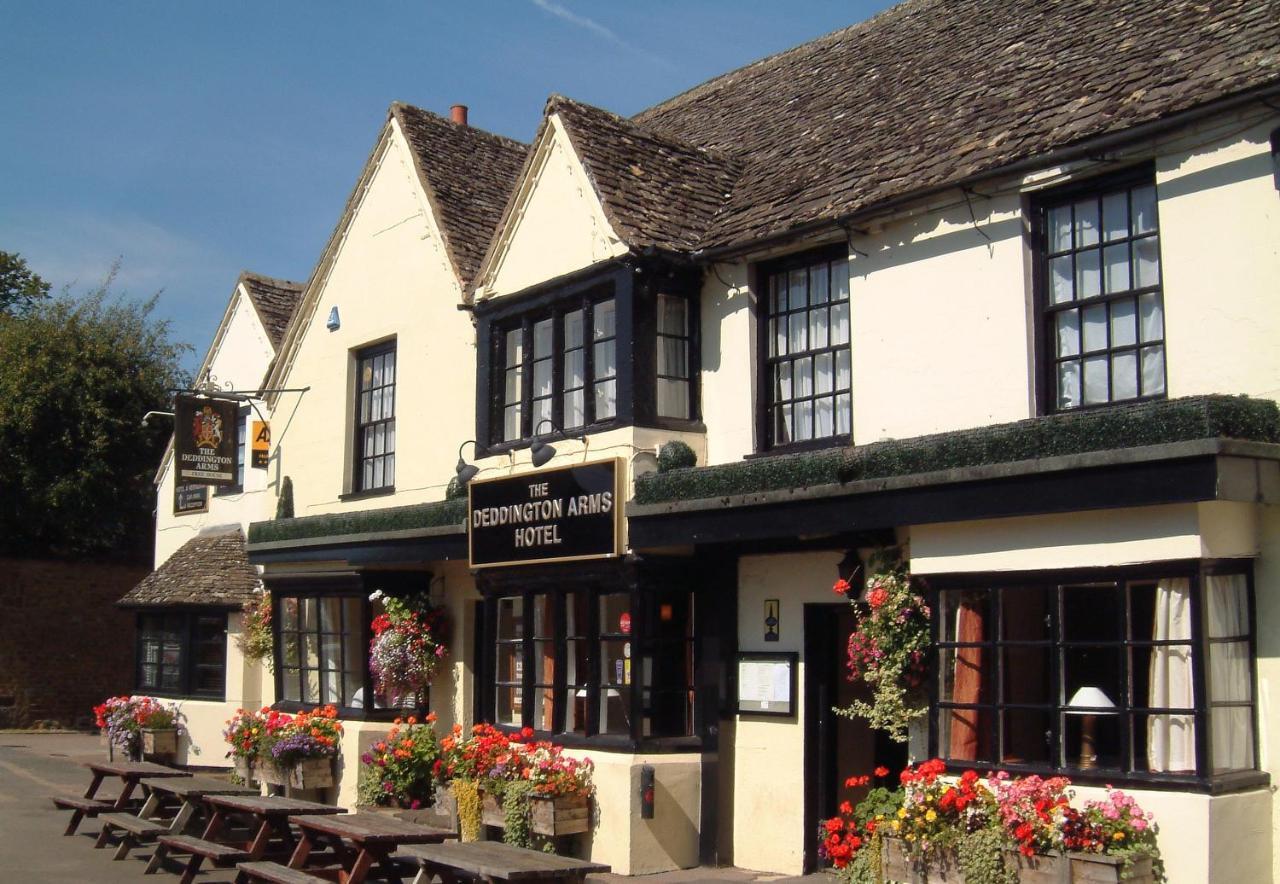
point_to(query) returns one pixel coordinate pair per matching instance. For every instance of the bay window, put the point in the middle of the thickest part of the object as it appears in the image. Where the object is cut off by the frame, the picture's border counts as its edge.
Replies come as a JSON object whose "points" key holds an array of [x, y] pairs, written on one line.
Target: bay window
{"points": [[181, 654], [1140, 672]]}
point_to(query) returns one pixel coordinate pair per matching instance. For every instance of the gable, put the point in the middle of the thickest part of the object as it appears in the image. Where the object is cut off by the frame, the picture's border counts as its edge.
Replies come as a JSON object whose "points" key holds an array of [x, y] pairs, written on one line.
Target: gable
{"points": [[556, 225]]}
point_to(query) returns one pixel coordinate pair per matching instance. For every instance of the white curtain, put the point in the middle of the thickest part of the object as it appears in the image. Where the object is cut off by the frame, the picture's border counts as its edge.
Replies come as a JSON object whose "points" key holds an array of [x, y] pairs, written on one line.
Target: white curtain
{"points": [[1230, 676], [1171, 739]]}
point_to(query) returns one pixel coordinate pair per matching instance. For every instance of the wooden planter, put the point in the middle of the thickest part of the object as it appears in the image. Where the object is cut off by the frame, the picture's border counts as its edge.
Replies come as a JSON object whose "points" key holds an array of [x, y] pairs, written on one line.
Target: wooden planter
{"points": [[159, 743], [1072, 868], [244, 769], [309, 773], [552, 817]]}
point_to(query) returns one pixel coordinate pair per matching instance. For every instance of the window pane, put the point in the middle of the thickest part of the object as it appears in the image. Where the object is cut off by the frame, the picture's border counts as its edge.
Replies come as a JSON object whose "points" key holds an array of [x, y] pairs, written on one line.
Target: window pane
{"points": [[803, 415], [542, 339], [1124, 375], [782, 424], [823, 372], [818, 292], [818, 328], [798, 337], [799, 287], [840, 280], [1232, 729], [1230, 678], [330, 616], [1060, 230], [778, 340], [1164, 743], [510, 618], [1152, 371], [1061, 289], [1095, 328], [1124, 326], [1227, 605], [606, 365], [802, 372], [573, 329], [511, 422], [507, 709], [839, 324], [289, 677], [574, 415], [1115, 215], [515, 347], [1027, 736], [541, 378], [288, 613], [1146, 258], [1152, 315], [1025, 675], [1069, 384], [824, 417], [1095, 379], [1092, 612], [1088, 273], [844, 414], [965, 734], [778, 292], [672, 316], [1086, 216], [673, 398], [603, 319], [1026, 613], [606, 400], [1106, 743], [1144, 209], [965, 616], [1116, 261], [574, 362], [1068, 332], [673, 357]]}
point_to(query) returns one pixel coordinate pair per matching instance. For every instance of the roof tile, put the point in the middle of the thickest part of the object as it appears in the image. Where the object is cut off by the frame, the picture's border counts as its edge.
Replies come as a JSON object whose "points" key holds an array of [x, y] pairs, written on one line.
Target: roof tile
{"points": [[211, 570]]}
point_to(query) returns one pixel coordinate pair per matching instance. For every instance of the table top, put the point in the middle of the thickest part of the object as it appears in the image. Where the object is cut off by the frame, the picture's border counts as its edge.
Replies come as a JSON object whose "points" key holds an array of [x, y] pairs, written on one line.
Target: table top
{"points": [[196, 786], [494, 859], [374, 828], [134, 769], [270, 805]]}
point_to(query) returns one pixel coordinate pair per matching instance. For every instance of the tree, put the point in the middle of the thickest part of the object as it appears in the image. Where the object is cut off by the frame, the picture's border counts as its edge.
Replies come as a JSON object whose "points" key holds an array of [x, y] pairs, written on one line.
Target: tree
{"points": [[20, 287], [76, 461]]}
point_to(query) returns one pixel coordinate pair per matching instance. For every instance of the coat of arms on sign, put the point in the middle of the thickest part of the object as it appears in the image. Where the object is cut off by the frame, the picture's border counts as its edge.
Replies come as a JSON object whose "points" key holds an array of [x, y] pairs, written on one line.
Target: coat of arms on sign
{"points": [[206, 427]]}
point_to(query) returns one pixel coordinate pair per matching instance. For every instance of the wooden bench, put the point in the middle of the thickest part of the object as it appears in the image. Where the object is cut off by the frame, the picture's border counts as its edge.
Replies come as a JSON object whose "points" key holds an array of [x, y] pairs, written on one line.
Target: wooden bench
{"points": [[277, 873], [135, 828], [491, 861], [222, 855], [80, 808]]}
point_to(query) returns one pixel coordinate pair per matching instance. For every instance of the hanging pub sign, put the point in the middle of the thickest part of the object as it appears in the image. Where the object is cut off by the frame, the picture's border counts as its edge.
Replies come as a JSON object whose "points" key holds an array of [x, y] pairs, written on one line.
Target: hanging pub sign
{"points": [[206, 439], [189, 499], [261, 444], [556, 515]]}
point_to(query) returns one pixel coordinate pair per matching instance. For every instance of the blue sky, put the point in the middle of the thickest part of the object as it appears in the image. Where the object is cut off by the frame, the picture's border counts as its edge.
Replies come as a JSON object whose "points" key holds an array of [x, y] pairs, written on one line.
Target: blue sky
{"points": [[193, 140]]}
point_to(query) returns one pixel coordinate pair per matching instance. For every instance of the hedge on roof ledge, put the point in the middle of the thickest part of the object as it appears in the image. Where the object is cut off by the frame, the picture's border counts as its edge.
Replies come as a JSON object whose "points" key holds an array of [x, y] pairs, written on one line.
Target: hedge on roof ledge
{"points": [[1125, 426], [425, 515]]}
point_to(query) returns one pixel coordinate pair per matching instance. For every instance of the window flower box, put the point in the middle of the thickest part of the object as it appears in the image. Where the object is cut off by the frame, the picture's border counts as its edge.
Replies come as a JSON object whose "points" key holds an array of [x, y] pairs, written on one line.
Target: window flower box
{"points": [[1071, 868], [553, 817], [306, 773], [159, 743], [244, 769]]}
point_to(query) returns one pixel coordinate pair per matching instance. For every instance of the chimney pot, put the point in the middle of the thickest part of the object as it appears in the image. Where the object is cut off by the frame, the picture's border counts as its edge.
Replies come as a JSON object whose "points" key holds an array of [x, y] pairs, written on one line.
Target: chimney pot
{"points": [[458, 113]]}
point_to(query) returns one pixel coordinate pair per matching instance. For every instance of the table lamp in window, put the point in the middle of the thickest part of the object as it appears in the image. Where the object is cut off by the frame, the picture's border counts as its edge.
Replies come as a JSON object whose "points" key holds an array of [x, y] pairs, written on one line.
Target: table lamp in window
{"points": [[1089, 702]]}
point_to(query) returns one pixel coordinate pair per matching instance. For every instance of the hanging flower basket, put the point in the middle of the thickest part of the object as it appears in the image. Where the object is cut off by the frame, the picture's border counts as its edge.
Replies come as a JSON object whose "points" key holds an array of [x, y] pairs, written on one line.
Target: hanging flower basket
{"points": [[406, 648], [1061, 868]]}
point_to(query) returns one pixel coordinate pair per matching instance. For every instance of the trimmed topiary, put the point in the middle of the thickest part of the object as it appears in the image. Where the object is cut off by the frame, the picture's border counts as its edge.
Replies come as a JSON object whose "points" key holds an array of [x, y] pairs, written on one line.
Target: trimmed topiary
{"points": [[675, 455]]}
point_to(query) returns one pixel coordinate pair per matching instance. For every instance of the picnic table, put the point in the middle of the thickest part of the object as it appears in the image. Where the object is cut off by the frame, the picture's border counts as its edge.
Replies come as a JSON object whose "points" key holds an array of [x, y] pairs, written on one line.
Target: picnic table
{"points": [[493, 861], [128, 772], [373, 836], [270, 815], [147, 825]]}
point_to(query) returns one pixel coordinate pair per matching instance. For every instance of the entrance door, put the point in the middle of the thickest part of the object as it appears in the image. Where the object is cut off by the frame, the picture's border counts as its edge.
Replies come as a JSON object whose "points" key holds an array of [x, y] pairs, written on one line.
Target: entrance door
{"points": [[836, 748]]}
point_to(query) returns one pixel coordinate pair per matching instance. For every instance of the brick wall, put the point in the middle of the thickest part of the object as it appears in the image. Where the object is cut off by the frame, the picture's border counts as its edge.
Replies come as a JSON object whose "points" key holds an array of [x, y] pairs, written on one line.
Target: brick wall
{"points": [[64, 645]]}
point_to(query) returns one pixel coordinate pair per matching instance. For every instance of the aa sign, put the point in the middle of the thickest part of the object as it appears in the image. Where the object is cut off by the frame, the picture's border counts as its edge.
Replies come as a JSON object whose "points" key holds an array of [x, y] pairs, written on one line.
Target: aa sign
{"points": [[261, 444]]}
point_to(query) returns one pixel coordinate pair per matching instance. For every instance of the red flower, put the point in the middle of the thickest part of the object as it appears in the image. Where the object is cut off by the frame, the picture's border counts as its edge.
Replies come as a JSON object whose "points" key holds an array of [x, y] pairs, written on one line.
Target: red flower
{"points": [[882, 771], [841, 587], [846, 807], [877, 597]]}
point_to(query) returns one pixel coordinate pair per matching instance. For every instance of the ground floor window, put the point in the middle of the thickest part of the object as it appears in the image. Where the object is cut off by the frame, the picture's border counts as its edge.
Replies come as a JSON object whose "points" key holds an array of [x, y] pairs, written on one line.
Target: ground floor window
{"points": [[182, 654], [1146, 672], [590, 660]]}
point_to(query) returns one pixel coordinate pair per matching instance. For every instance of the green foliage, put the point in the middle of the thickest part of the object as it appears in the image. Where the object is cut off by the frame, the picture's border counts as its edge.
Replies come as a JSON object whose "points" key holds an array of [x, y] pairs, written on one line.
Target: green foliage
{"points": [[982, 858], [516, 813], [1117, 427], [466, 794], [880, 804], [399, 771], [864, 868], [255, 639], [441, 513], [76, 462], [284, 504], [20, 287], [675, 455]]}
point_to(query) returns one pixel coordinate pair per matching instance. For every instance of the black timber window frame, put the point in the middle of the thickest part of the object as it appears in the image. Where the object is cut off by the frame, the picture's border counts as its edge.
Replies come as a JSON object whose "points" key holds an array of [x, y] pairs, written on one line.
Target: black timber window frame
{"points": [[181, 653], [782, 360], [633, 286], [649, 699], [373, 462], [1052, 654], [226, 490], [343, 613], [1099, 293]]}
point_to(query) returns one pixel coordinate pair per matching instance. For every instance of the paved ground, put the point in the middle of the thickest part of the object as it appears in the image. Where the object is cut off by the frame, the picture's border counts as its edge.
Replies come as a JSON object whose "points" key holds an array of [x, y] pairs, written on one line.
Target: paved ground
{"points": [[34, 766]]}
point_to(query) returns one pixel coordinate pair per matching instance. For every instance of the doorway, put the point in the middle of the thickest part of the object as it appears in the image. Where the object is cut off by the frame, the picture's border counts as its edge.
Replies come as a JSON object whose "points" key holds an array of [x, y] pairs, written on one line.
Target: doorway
{"points": [[835, 747]]}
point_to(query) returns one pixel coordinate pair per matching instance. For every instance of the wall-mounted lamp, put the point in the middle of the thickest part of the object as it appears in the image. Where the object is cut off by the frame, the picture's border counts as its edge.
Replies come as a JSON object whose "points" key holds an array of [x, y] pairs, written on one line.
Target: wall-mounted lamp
{"points": [[334, 322], [542, 452], [466, 471]]}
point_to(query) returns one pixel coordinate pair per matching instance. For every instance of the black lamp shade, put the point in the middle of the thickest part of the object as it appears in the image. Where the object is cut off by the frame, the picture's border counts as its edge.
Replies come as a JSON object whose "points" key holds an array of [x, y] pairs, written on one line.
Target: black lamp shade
{"points": [[542, 453]]}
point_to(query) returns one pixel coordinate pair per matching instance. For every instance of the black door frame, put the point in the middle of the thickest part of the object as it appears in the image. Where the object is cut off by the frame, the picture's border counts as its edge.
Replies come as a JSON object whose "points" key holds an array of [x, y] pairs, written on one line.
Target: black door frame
{"points": [[821, 649]]}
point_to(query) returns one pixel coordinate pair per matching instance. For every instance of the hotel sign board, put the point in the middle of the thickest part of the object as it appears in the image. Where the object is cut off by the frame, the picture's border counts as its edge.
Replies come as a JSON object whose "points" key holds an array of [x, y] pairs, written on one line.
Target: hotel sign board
{"points": [[559, 515], [206, 438], [190, 499]]}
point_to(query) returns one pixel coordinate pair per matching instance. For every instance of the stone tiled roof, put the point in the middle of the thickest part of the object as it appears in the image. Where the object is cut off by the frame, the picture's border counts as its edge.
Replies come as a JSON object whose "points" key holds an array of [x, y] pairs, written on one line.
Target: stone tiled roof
{"points": [[932, 92], [655, 189], [275, 300], [468, 175], [210, 569]]}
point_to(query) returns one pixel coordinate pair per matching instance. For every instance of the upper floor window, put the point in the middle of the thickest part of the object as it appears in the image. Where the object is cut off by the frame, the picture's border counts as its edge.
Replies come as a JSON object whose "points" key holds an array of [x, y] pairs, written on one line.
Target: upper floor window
{"points": [[375, 442], [1145, 672], [182, 654], [1103, 309], [673, 375], [560, 367], [808, 375]]}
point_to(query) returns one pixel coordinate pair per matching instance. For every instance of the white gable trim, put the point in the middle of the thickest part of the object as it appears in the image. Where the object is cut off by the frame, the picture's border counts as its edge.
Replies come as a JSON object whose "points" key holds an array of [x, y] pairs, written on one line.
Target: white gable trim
{"points": [[605, 242]]}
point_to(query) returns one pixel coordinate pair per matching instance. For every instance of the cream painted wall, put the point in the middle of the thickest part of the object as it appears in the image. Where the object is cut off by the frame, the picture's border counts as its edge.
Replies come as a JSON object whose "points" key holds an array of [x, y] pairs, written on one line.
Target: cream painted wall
{"points": [[390, 278], [939, 322], [768, 765], [1082, 540], [239, 357], [1266, 581], [728, 364], [1220, 231], [558, 225]]}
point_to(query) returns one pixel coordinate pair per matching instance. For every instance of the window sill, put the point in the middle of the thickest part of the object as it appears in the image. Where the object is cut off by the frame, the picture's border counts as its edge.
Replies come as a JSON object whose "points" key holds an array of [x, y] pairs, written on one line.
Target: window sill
{"points": [[1102, 406], [179, 695], [801, 447], [1221, 784], [373, 492]]}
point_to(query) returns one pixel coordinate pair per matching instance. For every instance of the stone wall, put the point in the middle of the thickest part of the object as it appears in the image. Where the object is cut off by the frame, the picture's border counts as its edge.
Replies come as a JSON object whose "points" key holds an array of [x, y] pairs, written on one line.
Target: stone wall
{"points": [[64, 645]]}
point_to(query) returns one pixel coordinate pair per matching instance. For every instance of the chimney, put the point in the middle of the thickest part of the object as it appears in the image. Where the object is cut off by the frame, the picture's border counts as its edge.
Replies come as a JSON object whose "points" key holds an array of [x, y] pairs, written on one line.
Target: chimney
{"points": [[458, 113]]}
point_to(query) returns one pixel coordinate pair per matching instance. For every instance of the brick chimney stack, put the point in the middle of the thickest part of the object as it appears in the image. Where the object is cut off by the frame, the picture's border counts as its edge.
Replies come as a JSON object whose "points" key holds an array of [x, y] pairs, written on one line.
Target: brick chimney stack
{"points": [[458, 113]]}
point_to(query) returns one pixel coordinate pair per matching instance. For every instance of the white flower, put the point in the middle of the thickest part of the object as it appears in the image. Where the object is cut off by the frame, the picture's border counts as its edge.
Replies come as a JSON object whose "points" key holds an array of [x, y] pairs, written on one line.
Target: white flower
{"points": [[375, 595]]}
